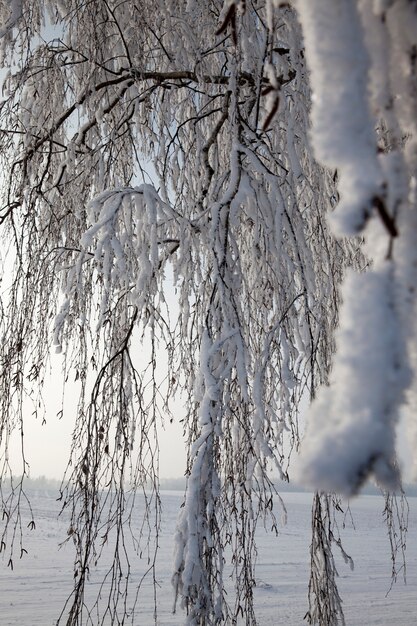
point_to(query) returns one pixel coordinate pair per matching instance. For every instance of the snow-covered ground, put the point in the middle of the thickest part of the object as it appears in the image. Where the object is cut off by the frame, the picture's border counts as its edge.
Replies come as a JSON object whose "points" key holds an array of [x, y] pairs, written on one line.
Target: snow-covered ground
{"points": [[34, 592]]}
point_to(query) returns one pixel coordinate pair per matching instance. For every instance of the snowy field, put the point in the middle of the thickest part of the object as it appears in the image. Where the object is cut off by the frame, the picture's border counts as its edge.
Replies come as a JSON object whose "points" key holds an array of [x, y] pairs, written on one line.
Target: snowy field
{"points": [[34, 592]]}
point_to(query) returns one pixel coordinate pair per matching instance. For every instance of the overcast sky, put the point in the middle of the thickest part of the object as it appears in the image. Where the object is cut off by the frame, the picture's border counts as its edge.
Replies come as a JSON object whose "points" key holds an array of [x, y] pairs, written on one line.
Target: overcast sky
{"points": [[48, 445]]}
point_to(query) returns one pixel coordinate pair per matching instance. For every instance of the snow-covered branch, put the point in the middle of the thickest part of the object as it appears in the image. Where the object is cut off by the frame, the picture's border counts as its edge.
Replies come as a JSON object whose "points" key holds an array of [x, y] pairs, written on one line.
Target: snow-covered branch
{"points": [[147, 141]]}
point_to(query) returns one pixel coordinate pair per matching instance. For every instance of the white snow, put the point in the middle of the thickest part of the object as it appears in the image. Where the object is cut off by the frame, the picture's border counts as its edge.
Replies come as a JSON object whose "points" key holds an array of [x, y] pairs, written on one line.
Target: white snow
{"points": [[34, 592], [360, 57], [350, 434], [342, 126]]}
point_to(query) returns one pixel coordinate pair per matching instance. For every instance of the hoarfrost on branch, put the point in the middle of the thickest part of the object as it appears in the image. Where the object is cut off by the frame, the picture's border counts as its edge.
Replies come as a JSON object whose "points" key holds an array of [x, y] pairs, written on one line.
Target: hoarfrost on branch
{"points": [[142, 140]]}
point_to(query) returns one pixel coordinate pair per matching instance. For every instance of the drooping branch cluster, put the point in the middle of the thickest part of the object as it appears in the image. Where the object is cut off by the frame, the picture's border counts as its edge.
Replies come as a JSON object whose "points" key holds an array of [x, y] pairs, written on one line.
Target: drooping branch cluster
{"points": [[138, 142]]}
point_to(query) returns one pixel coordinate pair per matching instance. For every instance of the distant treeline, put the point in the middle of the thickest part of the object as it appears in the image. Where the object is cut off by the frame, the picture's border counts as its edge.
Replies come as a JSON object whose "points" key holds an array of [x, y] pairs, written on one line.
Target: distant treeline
{"points": [[179, 484], [40, 482]]}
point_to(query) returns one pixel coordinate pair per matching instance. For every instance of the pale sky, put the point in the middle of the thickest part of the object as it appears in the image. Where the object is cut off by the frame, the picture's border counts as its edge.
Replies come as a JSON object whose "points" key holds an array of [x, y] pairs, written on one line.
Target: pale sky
{"points": [[48, 445]]}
